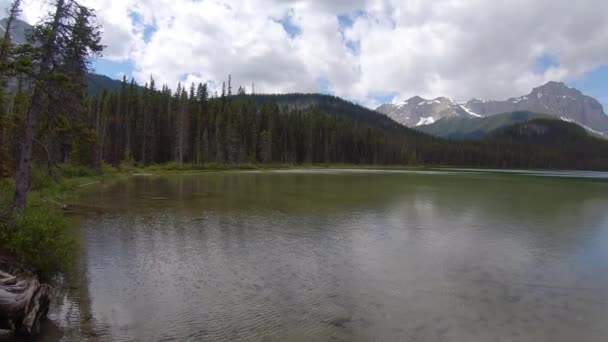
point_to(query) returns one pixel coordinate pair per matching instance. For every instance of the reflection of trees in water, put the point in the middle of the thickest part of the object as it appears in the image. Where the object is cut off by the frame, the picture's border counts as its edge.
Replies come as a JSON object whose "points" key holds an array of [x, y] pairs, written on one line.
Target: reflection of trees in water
{"points": [[308, 248], [291, 191], [71, 316], [538, 205]]}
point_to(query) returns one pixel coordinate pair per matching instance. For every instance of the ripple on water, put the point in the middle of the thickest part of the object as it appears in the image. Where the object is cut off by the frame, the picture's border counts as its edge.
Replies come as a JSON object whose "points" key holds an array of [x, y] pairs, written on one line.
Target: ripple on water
{"points": [[338, 255]]}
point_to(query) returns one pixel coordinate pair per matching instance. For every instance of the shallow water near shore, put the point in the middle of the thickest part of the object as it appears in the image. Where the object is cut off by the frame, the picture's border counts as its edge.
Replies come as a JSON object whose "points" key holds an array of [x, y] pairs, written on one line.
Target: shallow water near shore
{"points": [[346, 255]]}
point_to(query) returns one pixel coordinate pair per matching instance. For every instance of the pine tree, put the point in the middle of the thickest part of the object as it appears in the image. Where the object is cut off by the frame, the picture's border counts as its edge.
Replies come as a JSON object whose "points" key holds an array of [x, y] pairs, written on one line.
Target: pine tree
{"points": [[54, 34], [5, 70], [265, 146], [200, 105]]}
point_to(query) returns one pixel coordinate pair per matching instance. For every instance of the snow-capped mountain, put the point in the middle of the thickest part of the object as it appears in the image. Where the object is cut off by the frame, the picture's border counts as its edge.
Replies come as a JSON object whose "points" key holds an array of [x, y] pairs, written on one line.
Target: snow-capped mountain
{"points": [[554, 98], [417, 111]]}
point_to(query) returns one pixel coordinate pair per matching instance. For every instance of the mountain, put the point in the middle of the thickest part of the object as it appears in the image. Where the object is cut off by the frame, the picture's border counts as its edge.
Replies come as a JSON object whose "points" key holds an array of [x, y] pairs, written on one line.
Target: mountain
{"points": [[553, 135], [553, 98], [554, 144], [417, 111], [335, 106], [460, 128], [19, 30], [96, 82], [549, 132]]}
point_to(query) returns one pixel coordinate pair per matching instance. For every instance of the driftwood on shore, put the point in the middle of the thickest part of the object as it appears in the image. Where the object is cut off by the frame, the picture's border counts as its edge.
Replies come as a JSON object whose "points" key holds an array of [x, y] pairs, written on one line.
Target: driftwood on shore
{"points": [[24, 301]]}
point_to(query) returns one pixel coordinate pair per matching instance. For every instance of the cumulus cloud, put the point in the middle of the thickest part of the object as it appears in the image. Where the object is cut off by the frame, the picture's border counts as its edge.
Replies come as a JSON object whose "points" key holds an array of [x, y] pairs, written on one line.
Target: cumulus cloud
{"points": [[121, 32], [364, 50]]}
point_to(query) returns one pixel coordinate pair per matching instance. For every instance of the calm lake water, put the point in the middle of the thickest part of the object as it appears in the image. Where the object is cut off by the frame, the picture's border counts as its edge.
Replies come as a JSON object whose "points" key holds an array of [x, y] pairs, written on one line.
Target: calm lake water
{"points": [[336, 255]]}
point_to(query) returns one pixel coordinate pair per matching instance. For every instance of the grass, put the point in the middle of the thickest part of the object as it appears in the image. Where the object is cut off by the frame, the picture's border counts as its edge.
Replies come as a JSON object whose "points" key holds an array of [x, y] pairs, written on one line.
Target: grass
{"points": [[176, 168]]}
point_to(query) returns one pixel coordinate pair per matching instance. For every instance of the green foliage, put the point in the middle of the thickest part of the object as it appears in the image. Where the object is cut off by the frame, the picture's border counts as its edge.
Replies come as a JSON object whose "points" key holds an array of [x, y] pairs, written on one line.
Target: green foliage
{"points": [[40, 178], [59, 183], [107, 169], [72, 170], [97, 83], [170, 166], [40, 237], [127, 166], [37, 235]]}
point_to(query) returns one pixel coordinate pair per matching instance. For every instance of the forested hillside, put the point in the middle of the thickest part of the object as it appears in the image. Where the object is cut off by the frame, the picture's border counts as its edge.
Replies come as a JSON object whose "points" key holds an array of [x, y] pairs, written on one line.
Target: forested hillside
{"points": [[460, 128], [147, 125], [96, 83], [556, 143]]}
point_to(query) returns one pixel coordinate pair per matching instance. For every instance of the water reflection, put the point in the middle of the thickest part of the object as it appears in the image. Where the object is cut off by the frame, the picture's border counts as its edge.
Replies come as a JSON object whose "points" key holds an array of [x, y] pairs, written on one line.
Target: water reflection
{"points": [[340, 256]]}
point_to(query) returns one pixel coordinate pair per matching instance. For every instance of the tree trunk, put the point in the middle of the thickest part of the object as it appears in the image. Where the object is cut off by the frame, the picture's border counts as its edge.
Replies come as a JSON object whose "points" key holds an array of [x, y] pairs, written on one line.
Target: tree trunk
{"points": [[96, 163], [24, 301], [104, 124], [145, 137], [23, 168], [181, 137]]}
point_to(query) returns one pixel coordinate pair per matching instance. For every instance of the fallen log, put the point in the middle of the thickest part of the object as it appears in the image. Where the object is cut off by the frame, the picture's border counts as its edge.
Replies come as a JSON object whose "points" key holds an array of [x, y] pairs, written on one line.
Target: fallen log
{"points": [[60, 205], [24, 301]]}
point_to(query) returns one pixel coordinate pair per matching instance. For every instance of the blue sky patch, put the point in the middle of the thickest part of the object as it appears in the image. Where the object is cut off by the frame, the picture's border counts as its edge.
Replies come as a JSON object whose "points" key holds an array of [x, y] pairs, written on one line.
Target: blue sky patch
{"points": [[113, 69], [288, 25], [149, 30], [544, 63], [354, 46], [324, 86], [383, 97], [346, 21], [594, 84]]}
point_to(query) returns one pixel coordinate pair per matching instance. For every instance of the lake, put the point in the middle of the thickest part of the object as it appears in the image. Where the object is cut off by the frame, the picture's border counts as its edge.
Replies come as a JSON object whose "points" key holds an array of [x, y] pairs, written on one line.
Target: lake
{"points": [[339, 255]]}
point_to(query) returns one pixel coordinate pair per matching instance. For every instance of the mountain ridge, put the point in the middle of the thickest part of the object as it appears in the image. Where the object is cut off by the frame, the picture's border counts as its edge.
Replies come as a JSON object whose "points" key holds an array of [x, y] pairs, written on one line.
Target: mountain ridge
{"points": [[418, 111], [19, 30], [553, 98]]}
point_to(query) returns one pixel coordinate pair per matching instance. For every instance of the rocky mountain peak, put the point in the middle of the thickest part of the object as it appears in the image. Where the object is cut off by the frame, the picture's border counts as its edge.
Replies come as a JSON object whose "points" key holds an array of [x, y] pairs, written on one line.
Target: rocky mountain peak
{"points": [[553, 98], [415, 99], [556, 88], [19, 30], [417, 111]]}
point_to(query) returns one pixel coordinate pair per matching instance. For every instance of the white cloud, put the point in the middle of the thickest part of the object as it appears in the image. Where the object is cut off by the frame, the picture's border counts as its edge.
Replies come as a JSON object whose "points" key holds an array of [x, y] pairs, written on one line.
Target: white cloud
{"points": [[120, 34], [456, 48], [32, 10]]}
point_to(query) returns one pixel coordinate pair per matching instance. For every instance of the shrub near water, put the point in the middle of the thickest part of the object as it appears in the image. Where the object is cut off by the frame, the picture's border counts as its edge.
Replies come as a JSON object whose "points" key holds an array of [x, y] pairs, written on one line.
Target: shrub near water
{"points": [[41, 239], [37, 235]]}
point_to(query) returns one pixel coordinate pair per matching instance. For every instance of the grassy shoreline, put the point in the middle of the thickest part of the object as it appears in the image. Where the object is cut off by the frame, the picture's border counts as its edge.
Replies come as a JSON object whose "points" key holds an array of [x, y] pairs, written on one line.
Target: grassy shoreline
{"points": [[67, 179], [174, 168], [38, 235]]}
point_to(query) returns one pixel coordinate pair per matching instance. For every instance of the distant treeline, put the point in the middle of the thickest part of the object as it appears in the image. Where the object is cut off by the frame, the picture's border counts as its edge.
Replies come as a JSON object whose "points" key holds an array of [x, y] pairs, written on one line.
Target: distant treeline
{"points": [[146, 125]]}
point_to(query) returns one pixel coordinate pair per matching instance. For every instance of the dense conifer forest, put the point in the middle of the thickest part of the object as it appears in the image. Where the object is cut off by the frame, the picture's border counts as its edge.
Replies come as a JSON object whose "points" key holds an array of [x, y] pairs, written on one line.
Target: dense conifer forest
{"points": [[149, 124]]}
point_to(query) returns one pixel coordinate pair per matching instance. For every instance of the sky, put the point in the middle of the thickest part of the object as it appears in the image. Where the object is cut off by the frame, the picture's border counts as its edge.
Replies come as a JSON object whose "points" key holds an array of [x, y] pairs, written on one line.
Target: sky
{"points": [[367, 51]]}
